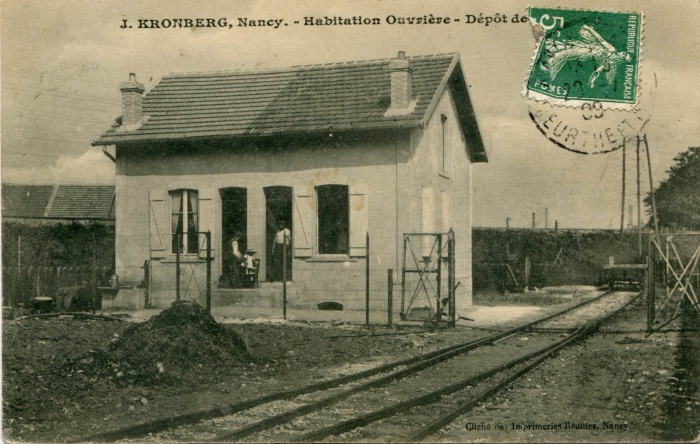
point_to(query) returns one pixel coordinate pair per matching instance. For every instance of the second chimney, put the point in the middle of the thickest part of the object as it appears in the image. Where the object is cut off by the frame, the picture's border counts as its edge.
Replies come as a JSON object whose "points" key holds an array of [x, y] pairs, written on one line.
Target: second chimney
{"points": [[401, 80], [132, 101]]}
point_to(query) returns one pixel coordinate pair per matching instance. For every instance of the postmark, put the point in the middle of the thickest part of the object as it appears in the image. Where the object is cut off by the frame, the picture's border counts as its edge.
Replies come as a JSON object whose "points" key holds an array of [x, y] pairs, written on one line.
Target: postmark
{"points": [[585, 57], [590, 129]]}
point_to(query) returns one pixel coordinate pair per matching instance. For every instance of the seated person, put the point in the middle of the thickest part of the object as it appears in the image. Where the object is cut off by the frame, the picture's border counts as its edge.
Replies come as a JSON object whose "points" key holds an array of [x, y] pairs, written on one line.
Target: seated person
{"points": [[249, 261]]}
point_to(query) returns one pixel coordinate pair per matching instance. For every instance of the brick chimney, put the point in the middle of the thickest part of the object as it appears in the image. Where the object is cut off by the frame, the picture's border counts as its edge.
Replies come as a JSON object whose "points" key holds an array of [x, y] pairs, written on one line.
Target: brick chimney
{"points": [[132, 102], [401, 80]]}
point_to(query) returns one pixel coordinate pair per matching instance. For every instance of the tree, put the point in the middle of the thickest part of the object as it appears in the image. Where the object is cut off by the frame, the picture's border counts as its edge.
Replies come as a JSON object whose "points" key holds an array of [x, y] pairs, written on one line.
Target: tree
{"points": [[678, 196]]}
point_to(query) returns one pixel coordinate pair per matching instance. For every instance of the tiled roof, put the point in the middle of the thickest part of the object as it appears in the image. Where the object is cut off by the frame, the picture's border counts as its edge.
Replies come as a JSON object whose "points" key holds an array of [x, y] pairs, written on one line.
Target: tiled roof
{"points": [[58, 201], [25, 200], [340, 96], [82, 202]]}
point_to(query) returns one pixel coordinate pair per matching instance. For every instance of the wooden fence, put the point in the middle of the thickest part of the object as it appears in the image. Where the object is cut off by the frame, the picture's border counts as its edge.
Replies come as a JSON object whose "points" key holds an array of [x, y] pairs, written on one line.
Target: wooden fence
{"points": [[63, 284]]}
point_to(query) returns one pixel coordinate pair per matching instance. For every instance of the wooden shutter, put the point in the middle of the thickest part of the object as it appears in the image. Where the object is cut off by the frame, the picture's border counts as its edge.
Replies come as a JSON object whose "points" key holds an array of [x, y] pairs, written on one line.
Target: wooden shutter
{"points": [[159, 224], [303, 227], [207, 220], [359, 217]]}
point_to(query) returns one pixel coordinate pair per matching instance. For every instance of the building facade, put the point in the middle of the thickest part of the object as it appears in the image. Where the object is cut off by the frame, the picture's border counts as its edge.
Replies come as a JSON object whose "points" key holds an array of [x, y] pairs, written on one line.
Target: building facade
{"points": [[333, 152]]}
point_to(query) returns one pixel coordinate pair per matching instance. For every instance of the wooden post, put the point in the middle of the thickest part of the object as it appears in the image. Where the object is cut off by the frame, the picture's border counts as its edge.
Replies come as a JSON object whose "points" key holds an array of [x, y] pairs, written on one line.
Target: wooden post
{"points": [[651, 294], [534, 225], [147, 279], [451, 277], [367, 283], [438, 278], [403, 281], [390, 297], [19, 270], [622, 207], [208, 236], [284, 275], [177, 265], [528, 267], [651, 187], [639, 200], [94, 272]]}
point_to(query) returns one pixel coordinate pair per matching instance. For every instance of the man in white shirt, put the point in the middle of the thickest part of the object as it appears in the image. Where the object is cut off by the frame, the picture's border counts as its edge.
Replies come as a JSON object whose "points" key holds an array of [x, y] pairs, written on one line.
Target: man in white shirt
{"points": [[282, 237]]}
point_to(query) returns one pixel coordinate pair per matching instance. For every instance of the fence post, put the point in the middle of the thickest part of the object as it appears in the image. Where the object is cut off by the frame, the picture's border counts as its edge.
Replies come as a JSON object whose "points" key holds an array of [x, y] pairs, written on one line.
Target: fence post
{"points": [[147, 280], [208, 271], [367, 283], [452, 288], [438, 288], [18, 290], [651, 294], [528, 272], [94, 272], [390, 297], [284, 274], [177, 267], [403, 280]]}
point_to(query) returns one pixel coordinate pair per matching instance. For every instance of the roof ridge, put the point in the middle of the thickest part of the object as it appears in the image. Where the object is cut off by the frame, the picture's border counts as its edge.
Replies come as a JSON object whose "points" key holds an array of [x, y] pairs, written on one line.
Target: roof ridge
{"points": [[295, 68]]}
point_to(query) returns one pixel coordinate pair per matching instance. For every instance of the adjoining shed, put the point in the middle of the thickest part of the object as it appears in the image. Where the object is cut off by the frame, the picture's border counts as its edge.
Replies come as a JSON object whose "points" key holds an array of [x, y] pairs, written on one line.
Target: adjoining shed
{"points": [[332, 152]]}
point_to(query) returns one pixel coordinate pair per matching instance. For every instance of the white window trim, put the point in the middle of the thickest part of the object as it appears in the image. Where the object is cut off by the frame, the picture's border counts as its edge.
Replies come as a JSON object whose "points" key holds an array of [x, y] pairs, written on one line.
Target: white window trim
{"points": [[185, 192]]}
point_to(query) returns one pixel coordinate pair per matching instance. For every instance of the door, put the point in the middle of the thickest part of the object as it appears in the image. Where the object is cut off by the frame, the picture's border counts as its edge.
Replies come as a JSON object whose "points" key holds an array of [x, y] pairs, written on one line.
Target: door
{"points": [[278, 209], [234, 219]]}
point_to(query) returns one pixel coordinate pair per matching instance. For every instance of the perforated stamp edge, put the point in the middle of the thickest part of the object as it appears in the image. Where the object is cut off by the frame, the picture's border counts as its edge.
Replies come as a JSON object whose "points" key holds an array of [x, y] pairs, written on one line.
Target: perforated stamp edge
{"points": [[535, 96]]}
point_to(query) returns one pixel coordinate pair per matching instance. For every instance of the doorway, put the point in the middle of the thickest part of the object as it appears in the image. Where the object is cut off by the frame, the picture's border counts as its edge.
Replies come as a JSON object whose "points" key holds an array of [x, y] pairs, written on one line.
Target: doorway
{"points": [[278, 210], [234, 219]]}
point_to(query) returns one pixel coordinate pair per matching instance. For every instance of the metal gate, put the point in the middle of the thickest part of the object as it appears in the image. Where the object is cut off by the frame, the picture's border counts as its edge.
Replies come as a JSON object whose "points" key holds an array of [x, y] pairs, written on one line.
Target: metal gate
{"points": [[428, 276]]}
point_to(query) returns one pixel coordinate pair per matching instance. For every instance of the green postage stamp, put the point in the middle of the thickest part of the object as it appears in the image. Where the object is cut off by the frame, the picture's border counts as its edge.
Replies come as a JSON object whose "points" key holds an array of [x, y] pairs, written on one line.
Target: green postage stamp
{"points": [[585, 56]]}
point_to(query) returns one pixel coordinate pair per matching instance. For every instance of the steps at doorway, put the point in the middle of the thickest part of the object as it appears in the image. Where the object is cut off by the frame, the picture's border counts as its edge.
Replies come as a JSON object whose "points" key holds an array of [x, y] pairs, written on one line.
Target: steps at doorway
{"points": [[269, 295]]}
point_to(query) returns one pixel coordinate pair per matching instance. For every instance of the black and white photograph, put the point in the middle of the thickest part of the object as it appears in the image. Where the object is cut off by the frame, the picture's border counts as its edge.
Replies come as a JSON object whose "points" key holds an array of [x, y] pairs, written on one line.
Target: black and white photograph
{"points": [[350, 221]]}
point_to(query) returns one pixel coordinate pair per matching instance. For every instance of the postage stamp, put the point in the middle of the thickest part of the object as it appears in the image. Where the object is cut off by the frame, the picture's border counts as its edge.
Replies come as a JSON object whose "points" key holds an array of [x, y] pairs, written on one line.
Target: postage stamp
{"points": [[584, 57]]}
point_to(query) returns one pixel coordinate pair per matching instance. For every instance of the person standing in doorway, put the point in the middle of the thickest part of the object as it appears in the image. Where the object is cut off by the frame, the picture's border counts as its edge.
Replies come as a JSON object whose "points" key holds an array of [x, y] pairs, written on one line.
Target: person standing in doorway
{"points": [[237, 259], [282, 237]]}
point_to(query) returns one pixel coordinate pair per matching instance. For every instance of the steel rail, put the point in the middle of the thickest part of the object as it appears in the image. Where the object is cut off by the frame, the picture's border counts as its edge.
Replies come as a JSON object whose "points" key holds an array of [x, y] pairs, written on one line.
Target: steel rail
{"points": [[466, 406], [282, 418], [428, 398], [431, 397], [162, 424]]}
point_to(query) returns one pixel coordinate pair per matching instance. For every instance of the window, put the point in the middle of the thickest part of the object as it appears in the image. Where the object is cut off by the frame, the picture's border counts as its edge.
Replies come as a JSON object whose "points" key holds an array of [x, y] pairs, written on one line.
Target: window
{"points": [[443, 145], [184, 206], [333, 219]]}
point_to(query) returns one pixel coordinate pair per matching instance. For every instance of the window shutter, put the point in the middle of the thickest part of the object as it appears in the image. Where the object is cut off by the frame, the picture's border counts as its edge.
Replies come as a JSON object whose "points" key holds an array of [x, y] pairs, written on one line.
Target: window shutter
{"points": [[207, 220], [303, 227], [359, 210], [159, 223]]}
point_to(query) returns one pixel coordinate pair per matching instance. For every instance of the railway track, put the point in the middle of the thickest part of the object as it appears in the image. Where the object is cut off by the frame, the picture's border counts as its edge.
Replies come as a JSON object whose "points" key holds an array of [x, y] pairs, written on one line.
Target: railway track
{"points": [[404, 400]]}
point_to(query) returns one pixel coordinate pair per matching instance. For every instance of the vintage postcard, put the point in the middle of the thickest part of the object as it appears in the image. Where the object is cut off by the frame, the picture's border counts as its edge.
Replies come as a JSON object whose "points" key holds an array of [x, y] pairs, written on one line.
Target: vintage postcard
{"points": [[350, 221]]}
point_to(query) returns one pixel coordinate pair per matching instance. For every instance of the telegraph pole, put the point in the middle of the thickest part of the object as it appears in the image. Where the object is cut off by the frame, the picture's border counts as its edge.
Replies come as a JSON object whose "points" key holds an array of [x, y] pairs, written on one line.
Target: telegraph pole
{"points": [[639, 200], [622, 206]]}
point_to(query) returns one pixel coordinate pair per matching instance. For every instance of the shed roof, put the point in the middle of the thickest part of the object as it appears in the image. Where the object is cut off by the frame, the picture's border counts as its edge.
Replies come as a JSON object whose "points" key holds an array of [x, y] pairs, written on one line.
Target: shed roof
{"points": [[338, 96], [85, 202], [25, 200]]}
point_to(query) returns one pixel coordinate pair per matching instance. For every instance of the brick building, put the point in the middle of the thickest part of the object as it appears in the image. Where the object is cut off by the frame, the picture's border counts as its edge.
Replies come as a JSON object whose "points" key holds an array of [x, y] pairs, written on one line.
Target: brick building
{"points": [[335, 151]]}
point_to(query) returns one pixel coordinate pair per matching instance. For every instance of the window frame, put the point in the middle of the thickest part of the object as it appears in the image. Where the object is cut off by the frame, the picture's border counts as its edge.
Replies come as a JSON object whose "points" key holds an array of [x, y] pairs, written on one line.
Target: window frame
{"points": [[443, 148], [332, 255], [185, 194]]}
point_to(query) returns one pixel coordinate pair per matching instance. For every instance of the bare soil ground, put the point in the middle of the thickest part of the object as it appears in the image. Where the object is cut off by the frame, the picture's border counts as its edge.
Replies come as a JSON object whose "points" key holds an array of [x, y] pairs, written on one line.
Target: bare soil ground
{"points": [[50, 393], [651, 386]]}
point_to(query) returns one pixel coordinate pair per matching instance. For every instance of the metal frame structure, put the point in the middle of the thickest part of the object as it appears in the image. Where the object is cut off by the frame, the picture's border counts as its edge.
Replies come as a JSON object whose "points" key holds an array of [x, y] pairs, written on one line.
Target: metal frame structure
{"points": [[680, 275], [179, 271], [441, 249]]}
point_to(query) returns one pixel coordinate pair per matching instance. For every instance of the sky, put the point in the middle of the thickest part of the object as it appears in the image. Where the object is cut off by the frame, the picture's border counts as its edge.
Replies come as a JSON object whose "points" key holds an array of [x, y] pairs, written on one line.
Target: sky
{"points": [[63, 60]]}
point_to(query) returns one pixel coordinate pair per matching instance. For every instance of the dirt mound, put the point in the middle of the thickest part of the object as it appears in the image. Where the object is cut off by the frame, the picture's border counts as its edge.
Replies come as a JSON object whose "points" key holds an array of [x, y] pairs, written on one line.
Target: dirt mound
{"points": [[178, 340]]}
